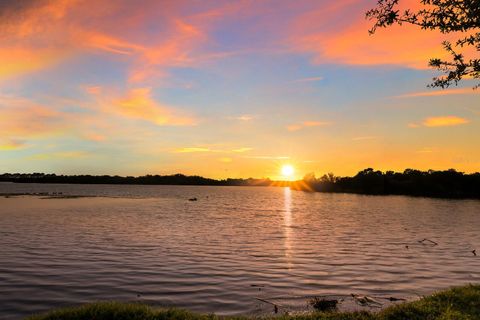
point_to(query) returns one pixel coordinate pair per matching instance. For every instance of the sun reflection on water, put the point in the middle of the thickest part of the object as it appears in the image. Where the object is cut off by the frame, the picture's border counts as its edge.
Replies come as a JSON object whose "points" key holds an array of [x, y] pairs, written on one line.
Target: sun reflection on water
{"points": [[287, 222]]}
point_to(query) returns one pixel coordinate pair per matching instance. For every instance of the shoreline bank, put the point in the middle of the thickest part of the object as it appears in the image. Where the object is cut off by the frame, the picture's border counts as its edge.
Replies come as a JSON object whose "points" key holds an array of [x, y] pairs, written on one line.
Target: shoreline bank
{"points": [[454, 303]]}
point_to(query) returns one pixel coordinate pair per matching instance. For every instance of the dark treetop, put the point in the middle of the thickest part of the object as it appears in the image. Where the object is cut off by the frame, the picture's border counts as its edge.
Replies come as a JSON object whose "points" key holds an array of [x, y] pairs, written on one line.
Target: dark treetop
{"points": [[443, 184], [175, 179]]}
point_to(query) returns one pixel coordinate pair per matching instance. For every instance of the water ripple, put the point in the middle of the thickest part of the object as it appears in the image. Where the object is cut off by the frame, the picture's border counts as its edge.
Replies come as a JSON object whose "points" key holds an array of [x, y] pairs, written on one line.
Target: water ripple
{"points": [[149, 244]]}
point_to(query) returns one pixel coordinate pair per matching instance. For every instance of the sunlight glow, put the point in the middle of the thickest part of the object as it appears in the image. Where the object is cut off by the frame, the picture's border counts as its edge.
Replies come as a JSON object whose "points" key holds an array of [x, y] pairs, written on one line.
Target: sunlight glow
{"points": [[287, 171]]}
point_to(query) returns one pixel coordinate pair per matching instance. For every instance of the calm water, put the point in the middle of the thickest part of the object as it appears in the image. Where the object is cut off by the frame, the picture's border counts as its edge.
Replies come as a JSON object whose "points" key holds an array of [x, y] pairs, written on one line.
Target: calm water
{"points": [[235, 244]]}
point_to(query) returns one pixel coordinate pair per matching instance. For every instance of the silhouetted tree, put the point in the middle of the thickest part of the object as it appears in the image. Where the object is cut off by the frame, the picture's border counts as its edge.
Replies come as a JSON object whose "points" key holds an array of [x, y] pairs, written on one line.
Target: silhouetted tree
{"points": [[310, 177], [175, 179], [329, 177], [447, 184], [447, 16]]}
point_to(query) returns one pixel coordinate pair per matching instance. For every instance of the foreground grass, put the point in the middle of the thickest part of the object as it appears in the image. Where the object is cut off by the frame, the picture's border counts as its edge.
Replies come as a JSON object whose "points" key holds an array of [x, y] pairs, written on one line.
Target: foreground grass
{"points": [[460, 303]]}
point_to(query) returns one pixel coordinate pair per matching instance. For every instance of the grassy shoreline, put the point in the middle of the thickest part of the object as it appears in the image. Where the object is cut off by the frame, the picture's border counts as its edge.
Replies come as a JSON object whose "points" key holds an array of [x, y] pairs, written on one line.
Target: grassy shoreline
{"points": [[459, 303]]}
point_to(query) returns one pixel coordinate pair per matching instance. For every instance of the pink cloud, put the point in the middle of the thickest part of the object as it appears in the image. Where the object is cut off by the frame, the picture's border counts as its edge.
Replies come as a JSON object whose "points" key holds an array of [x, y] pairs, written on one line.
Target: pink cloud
{"points": [[436, 93]]}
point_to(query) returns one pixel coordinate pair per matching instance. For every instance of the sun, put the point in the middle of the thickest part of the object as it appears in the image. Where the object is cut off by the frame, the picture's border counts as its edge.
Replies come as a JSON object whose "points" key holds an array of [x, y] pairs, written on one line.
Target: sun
{"points": [[287, 171]]}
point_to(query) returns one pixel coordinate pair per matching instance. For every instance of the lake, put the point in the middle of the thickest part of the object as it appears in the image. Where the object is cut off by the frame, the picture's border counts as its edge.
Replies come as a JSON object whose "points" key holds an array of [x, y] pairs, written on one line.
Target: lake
{"points": [[232, 246]]}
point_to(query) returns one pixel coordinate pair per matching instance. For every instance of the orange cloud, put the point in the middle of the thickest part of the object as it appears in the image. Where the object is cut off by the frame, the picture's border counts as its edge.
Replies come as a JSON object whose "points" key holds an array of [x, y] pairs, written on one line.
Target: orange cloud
{"points": [[446, 121], [22, 118], [138, 104], [33, 36], [19, 60], [346, 40]]}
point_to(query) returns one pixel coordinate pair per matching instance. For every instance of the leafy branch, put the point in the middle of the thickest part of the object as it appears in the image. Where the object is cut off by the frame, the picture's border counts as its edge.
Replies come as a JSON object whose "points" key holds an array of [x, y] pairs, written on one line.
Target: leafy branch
{"points": [[447, 16]]}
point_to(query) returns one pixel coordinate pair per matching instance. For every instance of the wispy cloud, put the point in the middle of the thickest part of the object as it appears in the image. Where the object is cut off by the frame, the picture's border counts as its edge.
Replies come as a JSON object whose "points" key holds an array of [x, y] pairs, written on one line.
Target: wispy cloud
{"points": [[208, 149], [11, 144], [364, 138], [436, 93], [42, 33], [241, 150], [243, 117], [268, 157], [92, 136], [446, 121], [25, 118], [192, 150], [349, 43], [138, 103], [474, 111], [76, 154], [425, 150], [22, 60], [305, 124], [442, 121], [311, 79]]}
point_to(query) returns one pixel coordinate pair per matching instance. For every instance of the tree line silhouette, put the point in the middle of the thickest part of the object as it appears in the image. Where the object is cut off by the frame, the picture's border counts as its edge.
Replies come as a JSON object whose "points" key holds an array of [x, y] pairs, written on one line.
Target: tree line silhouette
{"points": [[175, 179], [445, 184]]}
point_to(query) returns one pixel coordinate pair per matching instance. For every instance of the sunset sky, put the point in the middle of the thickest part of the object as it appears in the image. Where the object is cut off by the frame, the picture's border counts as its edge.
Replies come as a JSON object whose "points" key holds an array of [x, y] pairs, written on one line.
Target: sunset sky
{"points": [[224, 89]]}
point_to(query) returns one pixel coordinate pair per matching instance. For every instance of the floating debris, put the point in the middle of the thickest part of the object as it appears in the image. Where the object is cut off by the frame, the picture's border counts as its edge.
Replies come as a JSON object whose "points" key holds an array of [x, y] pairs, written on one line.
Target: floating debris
{"points": [[426, 241], [366, 301], [275, 306], [324, 304], [65, 197], [392, 299], [193, 199], [474, 252], [259, 286]]}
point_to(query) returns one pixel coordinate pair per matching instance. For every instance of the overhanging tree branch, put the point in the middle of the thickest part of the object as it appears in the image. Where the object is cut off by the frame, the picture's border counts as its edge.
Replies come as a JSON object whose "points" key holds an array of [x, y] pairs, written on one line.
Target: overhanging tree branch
{"points": [[446, 16]]}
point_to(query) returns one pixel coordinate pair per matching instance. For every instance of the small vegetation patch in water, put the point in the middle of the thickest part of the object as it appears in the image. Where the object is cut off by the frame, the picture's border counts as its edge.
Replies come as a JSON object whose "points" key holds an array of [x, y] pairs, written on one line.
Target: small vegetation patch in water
{"points": [[462, 303], [324, 305]]}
